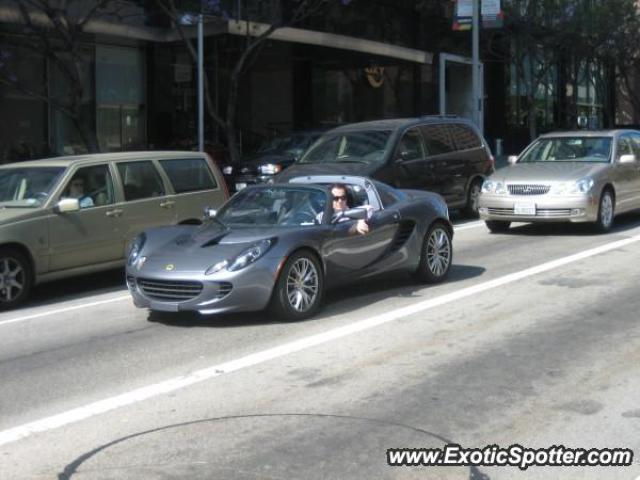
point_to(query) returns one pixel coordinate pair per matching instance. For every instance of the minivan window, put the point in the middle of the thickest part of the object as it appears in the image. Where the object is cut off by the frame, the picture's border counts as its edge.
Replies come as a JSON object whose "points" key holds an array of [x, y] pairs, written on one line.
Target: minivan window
{"points": [[92, 186], [411, 146], [27, 187], [140, 180], [189, 174], [437, 139], [464, 137], [367, 146]]}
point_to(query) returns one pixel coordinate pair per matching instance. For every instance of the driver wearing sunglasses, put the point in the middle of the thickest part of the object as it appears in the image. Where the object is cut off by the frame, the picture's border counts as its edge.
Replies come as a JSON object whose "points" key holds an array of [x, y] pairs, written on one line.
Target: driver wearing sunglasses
{"points": [[340, 204]]}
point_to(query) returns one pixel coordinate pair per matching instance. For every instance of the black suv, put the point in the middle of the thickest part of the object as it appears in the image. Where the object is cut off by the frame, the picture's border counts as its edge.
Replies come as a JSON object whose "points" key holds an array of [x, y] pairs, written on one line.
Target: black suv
{"points": [[446, 155], [271, 158]]}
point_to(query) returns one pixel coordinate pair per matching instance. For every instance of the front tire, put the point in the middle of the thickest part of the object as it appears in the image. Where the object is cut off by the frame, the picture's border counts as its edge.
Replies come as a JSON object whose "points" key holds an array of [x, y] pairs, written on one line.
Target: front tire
{"points": [[16, 278], [605, 212], [436, 255], [300, 287], [497, 226]]}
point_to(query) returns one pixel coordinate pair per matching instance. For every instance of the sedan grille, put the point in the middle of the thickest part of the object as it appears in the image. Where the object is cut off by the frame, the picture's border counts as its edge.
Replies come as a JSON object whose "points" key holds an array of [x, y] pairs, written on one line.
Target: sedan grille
{"points": [[170, 290], [528, 189]]}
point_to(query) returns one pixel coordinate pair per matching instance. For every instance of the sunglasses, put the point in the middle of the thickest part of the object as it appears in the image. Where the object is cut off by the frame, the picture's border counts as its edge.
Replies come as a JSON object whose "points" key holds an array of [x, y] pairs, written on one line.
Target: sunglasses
{"points": [[337, 198]]}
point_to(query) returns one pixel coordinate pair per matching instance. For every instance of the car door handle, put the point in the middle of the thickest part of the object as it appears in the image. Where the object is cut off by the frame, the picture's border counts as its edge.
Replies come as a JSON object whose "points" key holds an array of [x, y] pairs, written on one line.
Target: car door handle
{"points": [[116, 212], [167, 204]]}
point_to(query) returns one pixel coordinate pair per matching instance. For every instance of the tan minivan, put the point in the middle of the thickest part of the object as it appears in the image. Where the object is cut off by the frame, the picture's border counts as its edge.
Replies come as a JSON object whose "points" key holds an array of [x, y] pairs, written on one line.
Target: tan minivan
{"points": [[72, 215]]}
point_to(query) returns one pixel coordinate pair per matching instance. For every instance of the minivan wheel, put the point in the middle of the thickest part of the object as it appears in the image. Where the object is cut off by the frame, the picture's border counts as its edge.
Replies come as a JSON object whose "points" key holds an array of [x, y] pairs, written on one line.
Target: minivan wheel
{"points": [[605, 212], [436, 255], [16, 278], [473, 195], [299, 289], [497, 226]]}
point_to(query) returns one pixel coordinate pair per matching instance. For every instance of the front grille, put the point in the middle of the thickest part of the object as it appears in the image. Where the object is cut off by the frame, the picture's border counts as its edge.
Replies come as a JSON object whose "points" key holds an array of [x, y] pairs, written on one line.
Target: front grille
{"points": [[224, 289], [170, 290], [501, 211], [553, 212], [528, 189]]}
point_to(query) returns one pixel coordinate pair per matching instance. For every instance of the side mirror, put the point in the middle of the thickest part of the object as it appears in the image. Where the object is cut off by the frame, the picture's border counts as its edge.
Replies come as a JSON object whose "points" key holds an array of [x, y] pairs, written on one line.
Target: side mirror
{"points": [[67, 205], [627, 159], [355, 213], [512, 159], [209, 213]]}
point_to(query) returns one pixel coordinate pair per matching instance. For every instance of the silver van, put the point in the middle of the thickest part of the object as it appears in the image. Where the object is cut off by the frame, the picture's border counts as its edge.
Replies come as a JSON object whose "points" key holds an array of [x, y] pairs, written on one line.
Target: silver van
{"points": [[74, 215]]}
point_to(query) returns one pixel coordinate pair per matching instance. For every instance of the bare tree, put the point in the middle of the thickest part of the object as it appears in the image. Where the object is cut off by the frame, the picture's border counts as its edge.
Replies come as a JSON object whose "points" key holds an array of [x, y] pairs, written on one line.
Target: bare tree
{"points": [[54, 30], [271, 16]]}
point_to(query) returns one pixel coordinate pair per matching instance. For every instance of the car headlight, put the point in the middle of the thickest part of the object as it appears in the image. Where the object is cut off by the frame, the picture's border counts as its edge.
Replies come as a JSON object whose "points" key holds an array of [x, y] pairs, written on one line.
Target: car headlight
{"points": [[228, 170], [497, 188], [135, 247], [245, 258], [270, 169], [580, 187]]}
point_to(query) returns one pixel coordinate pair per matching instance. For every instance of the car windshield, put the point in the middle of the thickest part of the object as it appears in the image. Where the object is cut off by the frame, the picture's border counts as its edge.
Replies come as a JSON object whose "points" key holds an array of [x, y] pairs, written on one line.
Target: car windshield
{"points": [[295, 143], [27, 187], [367, 146], [569, 149], [274, 207]]}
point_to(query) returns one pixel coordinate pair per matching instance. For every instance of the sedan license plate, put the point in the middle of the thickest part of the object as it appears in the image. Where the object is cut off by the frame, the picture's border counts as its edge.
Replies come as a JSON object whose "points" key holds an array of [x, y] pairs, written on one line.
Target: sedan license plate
{"points": [[524, 209], [240, 186]]}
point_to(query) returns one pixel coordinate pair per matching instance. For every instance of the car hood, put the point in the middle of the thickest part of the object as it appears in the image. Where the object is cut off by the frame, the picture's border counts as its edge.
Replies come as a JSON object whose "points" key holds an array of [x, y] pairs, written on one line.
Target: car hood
{"points": [[10, 215], [344, 168], [548, 172], [267, 157], [197, 249]]}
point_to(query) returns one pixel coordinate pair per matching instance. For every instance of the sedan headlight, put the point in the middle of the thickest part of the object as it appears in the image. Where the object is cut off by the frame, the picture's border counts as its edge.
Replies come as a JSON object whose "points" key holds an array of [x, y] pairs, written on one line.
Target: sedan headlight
{"points": [[270, 169], [580, 187], [245, 258], [493, 187], [135, 247], [228, 170]]}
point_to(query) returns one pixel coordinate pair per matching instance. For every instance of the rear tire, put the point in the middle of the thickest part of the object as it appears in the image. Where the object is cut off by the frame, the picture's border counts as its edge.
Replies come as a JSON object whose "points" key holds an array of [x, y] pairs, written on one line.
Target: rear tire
{"points": [[497, 226], [299, 289], [606, 212], [16, 278], [436, 255], [473, 195]]}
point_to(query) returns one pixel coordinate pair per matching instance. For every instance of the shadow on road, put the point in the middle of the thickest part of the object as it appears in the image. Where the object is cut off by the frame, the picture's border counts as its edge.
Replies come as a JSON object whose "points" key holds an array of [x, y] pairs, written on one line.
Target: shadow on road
{"points": [[336, 302]]}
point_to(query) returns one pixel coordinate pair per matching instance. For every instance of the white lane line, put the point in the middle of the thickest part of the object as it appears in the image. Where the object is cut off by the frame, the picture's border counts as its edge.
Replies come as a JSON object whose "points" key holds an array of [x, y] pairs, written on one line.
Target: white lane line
{"points": [[150, 391], [65, 309], [465, 226]]}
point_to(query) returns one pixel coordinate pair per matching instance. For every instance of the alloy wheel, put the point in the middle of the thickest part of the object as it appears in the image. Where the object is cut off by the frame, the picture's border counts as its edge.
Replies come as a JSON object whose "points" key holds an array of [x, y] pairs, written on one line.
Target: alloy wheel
{"points": [[438, 252], [302, 285], [12, 279]]}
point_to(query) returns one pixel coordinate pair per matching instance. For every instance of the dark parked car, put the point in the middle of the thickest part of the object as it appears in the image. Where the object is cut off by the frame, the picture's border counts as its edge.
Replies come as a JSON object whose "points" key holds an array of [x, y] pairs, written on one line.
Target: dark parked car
{"points": [[270, 159], [446, 155], [280, 246]]}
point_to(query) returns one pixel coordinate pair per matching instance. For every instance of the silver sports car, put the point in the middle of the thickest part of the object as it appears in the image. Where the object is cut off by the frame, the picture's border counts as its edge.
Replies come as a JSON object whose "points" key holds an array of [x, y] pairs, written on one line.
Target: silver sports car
{"points": [[281, 246]]}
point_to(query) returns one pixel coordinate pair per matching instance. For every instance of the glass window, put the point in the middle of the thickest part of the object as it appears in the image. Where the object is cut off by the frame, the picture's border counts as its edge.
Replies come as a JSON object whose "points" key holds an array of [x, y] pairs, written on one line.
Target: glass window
{"points": [[350, 147], [140, 180], [27, 187], [92, 186], [189, 174], [568, 149], [464, 137], [410, 146], [624, 147], [437, 139]]}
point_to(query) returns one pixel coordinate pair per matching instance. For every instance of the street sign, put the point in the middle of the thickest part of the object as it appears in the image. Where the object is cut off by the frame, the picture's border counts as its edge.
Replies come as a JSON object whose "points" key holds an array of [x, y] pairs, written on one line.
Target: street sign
{"points": [[492, 15]]}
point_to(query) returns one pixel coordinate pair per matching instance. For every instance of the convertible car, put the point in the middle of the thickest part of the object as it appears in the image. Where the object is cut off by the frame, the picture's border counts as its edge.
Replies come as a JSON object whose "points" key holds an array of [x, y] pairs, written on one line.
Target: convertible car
{"points": [[281, 246]]}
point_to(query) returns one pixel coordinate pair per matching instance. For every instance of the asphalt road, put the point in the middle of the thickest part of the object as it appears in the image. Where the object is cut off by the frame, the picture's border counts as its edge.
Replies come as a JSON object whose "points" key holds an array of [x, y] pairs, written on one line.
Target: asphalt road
{"points": [[534, 340]]}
